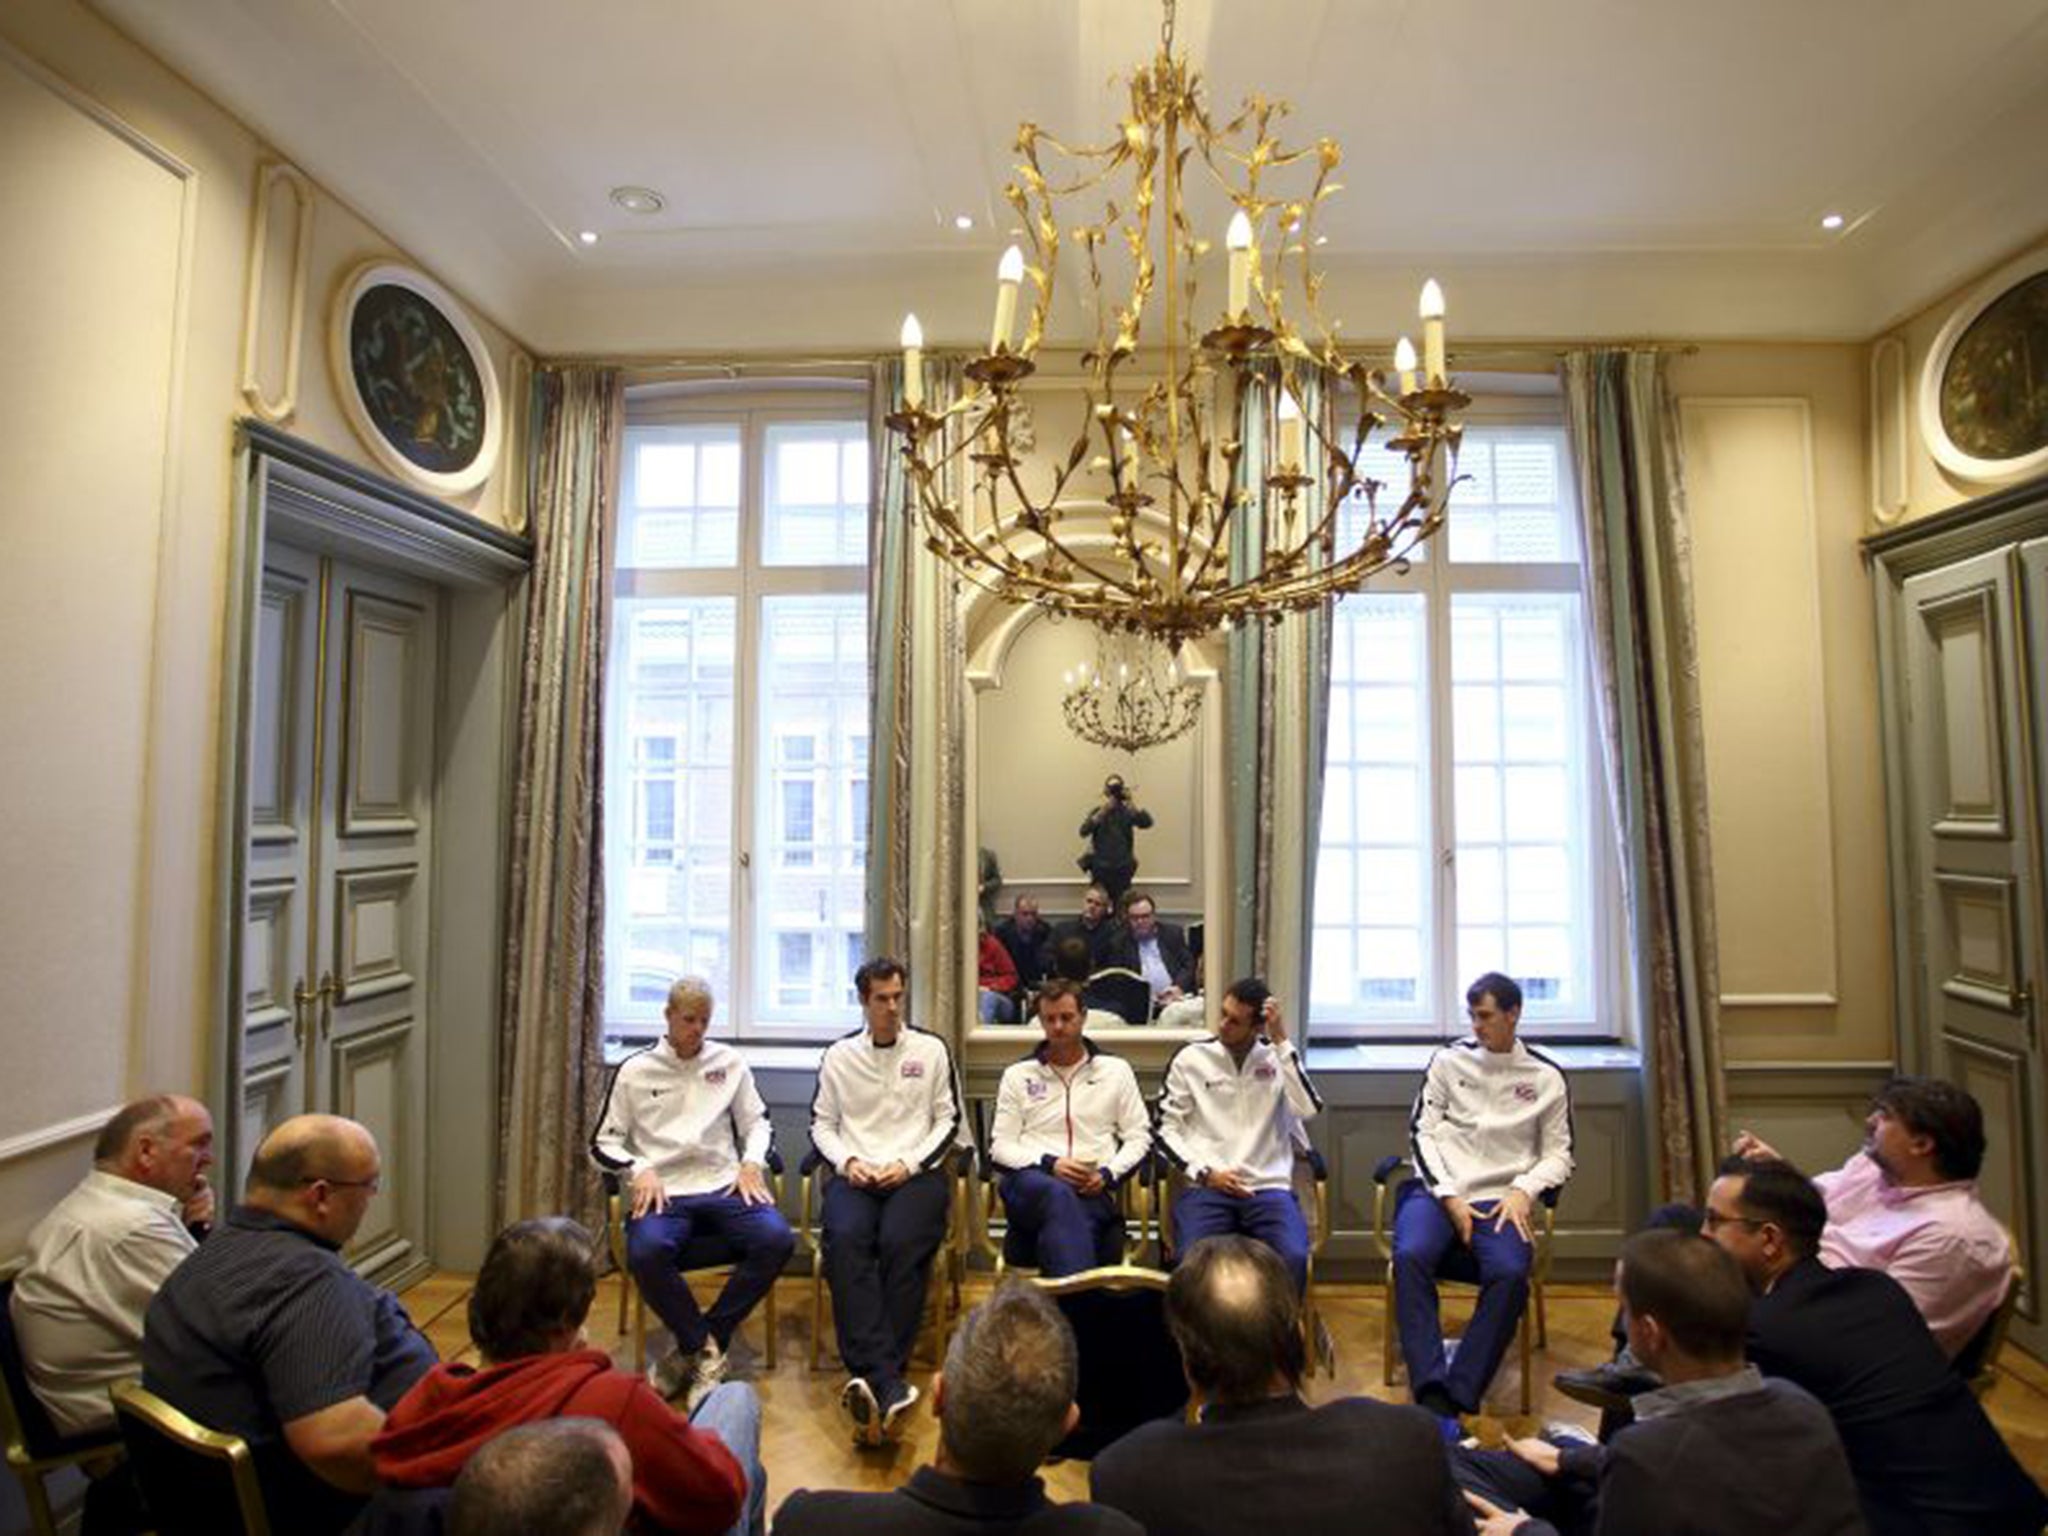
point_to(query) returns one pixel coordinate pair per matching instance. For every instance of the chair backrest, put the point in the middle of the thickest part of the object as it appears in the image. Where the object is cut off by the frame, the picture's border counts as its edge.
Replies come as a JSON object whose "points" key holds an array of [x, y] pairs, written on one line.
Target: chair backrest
{"points": [[1123, 993], [23, 1422], [196, 1481], [1130, 1366], [1977, 1362]]}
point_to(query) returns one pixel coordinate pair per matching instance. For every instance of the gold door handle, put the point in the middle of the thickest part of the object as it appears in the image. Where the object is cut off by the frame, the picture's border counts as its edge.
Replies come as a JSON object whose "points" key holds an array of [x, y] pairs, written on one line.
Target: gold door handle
{"points": [[329, 993], [301, 996]]}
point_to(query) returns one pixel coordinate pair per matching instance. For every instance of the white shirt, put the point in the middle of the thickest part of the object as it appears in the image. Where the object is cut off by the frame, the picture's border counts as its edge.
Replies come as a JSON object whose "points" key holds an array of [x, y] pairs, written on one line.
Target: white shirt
{"points": [[1092, 1111], [94, 1265], [1218, 1112], [886, 1103], [1487, 1121], [1153, 966], [693, 1120]]}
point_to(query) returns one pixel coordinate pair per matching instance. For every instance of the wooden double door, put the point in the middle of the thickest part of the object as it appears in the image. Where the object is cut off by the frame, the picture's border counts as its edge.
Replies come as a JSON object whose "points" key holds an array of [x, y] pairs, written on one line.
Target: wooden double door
{"points": [[336, 1013]]}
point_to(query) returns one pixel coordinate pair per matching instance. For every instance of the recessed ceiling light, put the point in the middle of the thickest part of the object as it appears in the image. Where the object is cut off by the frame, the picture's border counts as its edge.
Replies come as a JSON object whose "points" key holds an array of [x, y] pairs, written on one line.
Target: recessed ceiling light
{"points": [[639, 199], [963, 221], [587, 236], [1322, 239], [1832, 221]]}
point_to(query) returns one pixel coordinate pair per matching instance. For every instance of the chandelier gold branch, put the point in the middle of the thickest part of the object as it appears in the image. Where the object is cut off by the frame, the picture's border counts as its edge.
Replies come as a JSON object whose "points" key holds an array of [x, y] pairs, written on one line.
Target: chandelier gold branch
{"points": [[1159, 518]]}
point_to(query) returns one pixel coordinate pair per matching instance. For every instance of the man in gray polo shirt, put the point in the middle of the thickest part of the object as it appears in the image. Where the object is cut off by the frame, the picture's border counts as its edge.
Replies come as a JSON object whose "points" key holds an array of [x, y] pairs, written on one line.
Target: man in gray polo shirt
{"points": [[266, 1332]]}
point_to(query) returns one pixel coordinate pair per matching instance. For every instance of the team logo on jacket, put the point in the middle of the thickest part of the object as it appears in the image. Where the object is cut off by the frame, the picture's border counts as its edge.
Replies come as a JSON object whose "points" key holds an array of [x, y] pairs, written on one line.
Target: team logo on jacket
{"points": [[913, 1069], [1034, 1089], [1526, 1092], [1264, 1069], [715, 1076]]}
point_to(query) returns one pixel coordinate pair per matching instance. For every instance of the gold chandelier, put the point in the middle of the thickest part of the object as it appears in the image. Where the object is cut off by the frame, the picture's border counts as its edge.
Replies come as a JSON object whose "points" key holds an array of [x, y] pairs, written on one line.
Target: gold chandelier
{"points": [[1128, 700], [1157, 520]]}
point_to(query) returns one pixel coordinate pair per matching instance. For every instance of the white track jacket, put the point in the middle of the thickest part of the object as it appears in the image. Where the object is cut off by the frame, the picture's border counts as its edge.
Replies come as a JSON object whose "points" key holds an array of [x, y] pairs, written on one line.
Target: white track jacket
{"points": [[1486, 1122], [884, 1104], [692, 1121], [1215, 1112], [1094, 1112]]}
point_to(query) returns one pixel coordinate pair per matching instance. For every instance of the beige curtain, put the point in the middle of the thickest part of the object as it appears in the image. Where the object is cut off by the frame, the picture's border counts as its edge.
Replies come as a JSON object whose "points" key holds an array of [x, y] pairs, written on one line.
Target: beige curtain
{"points": [[550, 1059], [1638, 545]]}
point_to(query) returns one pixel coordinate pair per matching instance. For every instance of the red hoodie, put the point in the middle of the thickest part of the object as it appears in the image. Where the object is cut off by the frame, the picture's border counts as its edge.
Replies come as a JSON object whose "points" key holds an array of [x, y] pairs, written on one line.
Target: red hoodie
{"points": [[684, 1480]]}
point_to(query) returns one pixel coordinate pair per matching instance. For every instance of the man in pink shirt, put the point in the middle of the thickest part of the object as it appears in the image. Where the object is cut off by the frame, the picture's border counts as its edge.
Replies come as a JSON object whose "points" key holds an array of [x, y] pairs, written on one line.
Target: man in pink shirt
{"points": [[1907, 1204]]}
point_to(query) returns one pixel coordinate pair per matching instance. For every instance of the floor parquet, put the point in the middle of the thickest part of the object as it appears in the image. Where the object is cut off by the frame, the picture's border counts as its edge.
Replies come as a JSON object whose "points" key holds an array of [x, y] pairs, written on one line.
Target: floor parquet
{"points": [[804, 1445]]}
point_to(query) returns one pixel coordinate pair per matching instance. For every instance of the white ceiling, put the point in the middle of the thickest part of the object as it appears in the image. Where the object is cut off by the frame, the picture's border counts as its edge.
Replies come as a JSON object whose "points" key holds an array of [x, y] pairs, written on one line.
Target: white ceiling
{"points": [[1567, 167]]}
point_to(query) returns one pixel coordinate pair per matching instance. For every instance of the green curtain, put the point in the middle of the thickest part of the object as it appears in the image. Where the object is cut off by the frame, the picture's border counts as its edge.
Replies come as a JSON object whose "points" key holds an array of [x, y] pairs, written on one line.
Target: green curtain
{"points": [[917, 895], [1638, 546], [551, 1059], [1277, 694]]}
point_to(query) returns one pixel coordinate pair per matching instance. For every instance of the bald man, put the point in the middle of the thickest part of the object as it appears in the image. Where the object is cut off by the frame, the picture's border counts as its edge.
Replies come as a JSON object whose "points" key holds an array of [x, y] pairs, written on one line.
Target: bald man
{"points": [[267, 1333], [96, 1261]]}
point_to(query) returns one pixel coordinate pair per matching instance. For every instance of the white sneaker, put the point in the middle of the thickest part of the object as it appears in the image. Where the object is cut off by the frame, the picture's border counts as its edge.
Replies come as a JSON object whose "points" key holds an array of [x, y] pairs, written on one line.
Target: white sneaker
{"points": [[1561, 1432], [898, 1410], [671, 1373], [857, 1402], [710, 1364]]}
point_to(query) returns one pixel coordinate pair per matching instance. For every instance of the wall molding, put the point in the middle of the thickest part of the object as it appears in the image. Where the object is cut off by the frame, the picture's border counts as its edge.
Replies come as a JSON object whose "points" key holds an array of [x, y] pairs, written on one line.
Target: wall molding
{"points": [[1891, 411], [269, 176], [1779, 1000], [61, 1133]]}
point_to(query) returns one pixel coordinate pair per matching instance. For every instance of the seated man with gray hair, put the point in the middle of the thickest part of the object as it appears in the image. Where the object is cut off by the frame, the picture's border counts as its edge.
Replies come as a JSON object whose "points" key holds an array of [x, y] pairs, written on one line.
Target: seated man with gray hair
{"points": [[560, 1477], [1004, 1399]]}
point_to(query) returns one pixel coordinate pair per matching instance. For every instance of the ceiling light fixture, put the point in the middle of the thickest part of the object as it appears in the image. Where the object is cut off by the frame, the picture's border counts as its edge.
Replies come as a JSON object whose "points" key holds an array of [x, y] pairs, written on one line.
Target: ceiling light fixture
{"points": [[1832, 221], [1134, 696], [587, 236], [1162, 519], [963, 221], [641, 200]]}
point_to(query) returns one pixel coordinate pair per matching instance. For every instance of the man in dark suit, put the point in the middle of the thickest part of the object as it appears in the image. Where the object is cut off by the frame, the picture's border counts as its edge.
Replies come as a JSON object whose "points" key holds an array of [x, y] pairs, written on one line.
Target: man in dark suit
{"points": [[1926, 1459], [1260, 1458], [1004, 1399], [1097, 927], [1156, 951], [1028, 938]]}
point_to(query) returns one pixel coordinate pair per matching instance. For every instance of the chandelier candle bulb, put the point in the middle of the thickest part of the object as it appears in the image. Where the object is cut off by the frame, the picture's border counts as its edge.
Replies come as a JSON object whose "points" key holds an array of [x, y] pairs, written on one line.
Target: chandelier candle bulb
{"points": [[1291, 434], [1432, 311], [1404, 364], [913, 362], [1009, 274], [1239, 241]]}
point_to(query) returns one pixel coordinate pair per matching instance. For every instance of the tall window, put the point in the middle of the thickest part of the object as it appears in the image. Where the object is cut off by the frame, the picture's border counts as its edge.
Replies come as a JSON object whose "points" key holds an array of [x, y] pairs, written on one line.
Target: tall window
{"points": [[736, 732], [1461, 832]]}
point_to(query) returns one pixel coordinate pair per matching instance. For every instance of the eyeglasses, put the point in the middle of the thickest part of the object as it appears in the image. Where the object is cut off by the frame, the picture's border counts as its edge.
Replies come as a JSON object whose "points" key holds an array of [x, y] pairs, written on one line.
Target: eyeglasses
{"points": [[371, 1183], [1714, 1220]]}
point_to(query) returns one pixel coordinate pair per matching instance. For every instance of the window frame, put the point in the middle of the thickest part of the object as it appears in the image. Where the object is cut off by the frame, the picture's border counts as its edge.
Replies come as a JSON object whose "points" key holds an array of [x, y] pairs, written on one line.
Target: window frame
{"points": [[747, 1007], [1439, 580]]}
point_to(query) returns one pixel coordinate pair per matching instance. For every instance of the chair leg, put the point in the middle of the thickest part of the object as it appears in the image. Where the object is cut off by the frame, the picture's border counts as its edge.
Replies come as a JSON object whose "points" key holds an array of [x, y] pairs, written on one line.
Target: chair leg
{"points": [[768, 1320], [1387, 1334], [1527, 1364], [817, 1309], [639, 1330], [1542, 1316], [41, 1520]]}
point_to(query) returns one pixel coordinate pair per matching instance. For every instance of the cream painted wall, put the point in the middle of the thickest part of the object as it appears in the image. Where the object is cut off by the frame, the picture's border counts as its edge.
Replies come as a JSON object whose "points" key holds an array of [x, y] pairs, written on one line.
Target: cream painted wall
{"points": [[128, 200], [1775, 459], [1929, 487]]}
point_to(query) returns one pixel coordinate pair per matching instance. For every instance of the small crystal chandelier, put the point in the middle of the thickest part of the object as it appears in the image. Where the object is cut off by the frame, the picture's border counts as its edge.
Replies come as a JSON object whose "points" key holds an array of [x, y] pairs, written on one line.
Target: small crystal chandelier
{"points": [[1157, 521], [1132, 698]]}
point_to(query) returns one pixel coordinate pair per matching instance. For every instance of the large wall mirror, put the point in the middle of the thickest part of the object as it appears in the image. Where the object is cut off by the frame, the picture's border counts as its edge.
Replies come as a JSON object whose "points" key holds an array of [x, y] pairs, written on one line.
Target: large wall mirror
{"points": [[1031, 780]]}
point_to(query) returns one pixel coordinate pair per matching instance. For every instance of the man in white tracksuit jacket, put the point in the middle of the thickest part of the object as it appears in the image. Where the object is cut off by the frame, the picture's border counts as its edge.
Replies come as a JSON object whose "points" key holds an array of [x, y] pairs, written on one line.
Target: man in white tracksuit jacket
{"points": [[1491, 1133], [885, 1116], [1230, 1115], [1070, 1126]]}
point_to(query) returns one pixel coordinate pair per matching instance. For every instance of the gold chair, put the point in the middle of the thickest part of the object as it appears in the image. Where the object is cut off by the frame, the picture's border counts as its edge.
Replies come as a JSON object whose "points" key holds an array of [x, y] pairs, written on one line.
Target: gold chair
{"points": [[709, 1257], [949, 1264], [1010, 1253], [1978, 1362], [34, 1448], [1539, 1275], [197, 1481], [1130, 1368]]}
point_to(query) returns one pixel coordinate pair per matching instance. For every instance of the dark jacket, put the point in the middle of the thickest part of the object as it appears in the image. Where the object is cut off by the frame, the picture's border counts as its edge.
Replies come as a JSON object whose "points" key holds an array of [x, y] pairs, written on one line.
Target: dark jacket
{"points": [[932, 1504], [1100, 939], [1173, 949], [1927, 1461], [1354, 1467], [1764, 1460], [1029, 951]]}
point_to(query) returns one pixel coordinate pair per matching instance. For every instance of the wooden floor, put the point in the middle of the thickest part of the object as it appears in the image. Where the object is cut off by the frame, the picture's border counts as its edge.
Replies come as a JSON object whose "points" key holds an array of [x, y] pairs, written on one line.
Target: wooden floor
{"points": [[804, 1445]]}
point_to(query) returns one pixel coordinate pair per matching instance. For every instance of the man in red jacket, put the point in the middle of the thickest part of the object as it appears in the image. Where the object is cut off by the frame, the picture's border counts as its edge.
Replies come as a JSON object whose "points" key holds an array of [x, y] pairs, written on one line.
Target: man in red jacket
{"points": [[700, 1476]]}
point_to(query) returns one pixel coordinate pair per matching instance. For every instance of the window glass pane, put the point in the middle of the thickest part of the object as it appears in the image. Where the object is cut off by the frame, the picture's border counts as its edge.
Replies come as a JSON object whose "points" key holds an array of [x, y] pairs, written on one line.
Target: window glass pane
{"points": [[817, 494], [669, 861], [811, 881], [1513, 506], [679, 500]]}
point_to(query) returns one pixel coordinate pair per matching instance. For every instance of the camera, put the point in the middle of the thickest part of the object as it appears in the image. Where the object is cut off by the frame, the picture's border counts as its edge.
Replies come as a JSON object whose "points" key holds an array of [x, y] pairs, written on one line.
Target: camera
{"points": [[1114, 788]]}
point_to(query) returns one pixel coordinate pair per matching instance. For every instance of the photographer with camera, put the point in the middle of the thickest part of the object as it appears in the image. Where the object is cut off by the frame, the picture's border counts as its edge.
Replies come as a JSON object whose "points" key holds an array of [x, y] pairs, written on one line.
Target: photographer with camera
{"points": [[1112, 860]]}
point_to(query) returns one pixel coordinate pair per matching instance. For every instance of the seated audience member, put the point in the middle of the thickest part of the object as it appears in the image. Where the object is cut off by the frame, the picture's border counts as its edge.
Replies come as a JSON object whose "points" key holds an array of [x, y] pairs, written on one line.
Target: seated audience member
{"points": [[265, 1332], [1028, 939], [885, 1116], [526, 1319], [1004, 1398], [1070, 1126], [1229, 1115], [996, 979], [1716, 1451], [1156, 951], [1259, 1458], [1096, 927], [1491, 1132], [684, 1124], [560, 1477], [1068, 959], [96, 1261], [1907, 1204], [1927, 1461]]}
